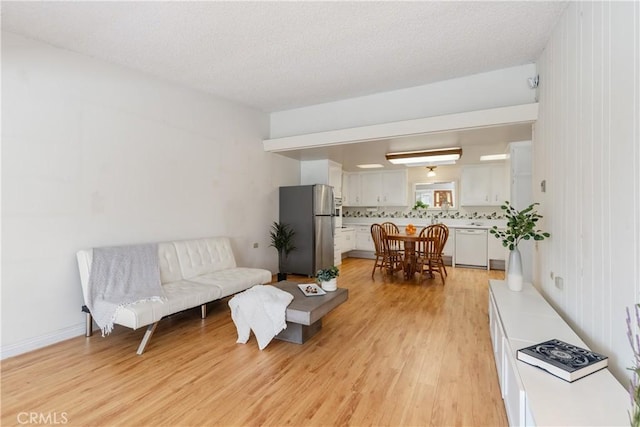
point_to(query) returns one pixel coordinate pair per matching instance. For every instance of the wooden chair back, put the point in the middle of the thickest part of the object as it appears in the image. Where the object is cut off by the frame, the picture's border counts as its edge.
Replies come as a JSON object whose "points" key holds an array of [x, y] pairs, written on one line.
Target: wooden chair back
{"points": [[391, 228], [379, 237], [442, 234], [430, 250], [428, 244]]}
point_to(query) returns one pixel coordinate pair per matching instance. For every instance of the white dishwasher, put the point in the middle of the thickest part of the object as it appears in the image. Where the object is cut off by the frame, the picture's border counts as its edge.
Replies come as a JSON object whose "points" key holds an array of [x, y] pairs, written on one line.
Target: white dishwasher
{"points": [[471, 247]]}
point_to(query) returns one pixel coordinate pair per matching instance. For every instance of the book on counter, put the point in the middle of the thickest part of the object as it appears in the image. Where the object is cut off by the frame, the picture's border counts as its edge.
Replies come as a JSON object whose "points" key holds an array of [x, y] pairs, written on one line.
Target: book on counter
{"points": [[563, 360]]}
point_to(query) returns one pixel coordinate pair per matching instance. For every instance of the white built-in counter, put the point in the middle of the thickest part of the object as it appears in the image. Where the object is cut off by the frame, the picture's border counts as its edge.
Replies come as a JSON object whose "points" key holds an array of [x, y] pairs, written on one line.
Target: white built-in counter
{"points": [[533, 397]]}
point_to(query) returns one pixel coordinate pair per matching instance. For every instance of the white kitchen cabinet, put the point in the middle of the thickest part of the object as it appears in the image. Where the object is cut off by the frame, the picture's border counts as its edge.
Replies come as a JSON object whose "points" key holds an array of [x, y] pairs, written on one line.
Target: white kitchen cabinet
{"points": [[387, 188], [344, 241], [335, 178], [322, 172], [364, 242], [483, 185], [450, 244], [352, 189], [338, 244], [349, 239], [370, 189], [499, 184], [394, 188]]}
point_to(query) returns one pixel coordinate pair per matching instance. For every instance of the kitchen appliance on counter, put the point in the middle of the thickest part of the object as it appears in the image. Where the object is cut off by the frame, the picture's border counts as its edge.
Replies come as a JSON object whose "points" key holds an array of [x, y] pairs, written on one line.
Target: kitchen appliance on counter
{"points": [[310, 211], [471, 247]]}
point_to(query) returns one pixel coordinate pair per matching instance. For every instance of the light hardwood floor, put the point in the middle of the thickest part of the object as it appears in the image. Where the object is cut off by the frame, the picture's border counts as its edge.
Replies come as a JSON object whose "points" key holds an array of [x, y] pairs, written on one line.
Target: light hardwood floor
{"points": [[395, 354]]}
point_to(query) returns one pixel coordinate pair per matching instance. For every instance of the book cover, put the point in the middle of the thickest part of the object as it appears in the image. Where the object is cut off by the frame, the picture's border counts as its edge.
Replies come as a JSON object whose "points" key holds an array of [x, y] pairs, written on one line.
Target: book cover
{"points": [[563, 360]]}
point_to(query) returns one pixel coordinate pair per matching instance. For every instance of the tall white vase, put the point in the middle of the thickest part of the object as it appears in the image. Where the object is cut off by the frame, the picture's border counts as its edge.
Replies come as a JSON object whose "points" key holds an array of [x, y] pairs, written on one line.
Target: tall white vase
{"points": [[514, 271]]}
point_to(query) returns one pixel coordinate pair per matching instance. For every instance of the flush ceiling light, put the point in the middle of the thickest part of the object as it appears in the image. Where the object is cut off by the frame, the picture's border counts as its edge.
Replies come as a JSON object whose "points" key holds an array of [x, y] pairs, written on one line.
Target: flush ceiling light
{"points": [[431, 172], [489, 157], [426, 156], [370, 166]]}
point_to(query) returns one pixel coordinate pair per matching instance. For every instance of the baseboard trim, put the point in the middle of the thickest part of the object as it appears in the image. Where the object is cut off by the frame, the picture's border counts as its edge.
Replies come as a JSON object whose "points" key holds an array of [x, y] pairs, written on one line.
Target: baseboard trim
{"points": [[41, 341], [357, 253], [497, 264]]}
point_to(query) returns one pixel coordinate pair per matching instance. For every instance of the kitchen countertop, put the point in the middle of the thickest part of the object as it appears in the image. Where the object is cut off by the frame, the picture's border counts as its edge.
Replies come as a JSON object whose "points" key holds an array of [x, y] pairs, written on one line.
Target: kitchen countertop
{"points": [[485, 224]]}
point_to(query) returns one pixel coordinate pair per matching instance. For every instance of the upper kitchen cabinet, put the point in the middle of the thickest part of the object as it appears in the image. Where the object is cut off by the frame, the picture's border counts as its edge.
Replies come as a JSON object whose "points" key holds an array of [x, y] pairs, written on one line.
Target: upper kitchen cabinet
{"points": [[351, 189], [335, 178], [322, 172], [484, 185], [388, 188]]}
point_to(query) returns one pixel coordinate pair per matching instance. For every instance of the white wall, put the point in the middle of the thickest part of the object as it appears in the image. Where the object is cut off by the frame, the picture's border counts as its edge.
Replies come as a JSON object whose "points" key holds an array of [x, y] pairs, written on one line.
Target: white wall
{"points": [[94, 154], [587, 148], [499, 88]]}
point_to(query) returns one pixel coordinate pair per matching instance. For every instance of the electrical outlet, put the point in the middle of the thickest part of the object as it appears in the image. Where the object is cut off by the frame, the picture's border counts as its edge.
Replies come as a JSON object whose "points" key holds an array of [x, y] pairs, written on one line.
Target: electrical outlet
{"points": [[255, 245], [559, 282]]}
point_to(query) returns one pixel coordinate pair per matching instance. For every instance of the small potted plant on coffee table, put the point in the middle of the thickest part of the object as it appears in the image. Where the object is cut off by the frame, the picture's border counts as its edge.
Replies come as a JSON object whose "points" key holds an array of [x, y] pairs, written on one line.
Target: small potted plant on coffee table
{"points": [[326, 278]]}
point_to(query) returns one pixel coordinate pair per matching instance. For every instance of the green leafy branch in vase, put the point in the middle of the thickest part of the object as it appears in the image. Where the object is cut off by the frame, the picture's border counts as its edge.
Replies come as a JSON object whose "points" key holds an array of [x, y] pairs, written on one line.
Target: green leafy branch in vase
{"points": [[521, 225]]}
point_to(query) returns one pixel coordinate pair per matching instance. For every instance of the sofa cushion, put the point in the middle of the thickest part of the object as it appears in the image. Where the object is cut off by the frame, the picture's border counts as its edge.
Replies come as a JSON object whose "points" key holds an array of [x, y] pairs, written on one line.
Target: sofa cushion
{"points": [[169, 264], [234, 280], [181, 295], [202, 256]]}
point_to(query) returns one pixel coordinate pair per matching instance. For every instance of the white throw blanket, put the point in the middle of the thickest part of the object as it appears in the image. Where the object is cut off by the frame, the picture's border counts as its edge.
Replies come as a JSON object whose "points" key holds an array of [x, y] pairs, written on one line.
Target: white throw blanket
{"points": [[120, 276], [261, 309]]}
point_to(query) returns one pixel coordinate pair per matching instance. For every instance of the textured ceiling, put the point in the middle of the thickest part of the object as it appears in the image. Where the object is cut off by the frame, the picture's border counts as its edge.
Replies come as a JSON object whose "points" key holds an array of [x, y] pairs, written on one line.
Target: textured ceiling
{"points": [[279, 55]]}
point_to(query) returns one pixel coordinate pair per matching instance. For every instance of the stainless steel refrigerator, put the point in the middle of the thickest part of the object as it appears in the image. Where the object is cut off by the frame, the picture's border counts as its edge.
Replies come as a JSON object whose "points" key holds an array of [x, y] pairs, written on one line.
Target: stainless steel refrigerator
{"points": [[310, 211]]}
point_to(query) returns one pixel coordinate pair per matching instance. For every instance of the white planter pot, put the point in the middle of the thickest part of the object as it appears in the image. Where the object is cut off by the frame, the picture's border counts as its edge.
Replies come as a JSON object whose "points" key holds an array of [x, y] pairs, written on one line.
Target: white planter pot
{"points": [[330, 286], [514, 271]]}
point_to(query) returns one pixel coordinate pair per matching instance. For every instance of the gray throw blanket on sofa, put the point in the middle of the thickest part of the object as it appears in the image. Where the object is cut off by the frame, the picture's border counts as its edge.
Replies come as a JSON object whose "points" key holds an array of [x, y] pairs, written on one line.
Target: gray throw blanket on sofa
{"points": [[120, 276]]}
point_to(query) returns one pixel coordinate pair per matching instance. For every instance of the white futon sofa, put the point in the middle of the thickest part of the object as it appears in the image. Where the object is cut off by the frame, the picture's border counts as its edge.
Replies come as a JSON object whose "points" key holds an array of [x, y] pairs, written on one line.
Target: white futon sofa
{"points": [[192, 273]]}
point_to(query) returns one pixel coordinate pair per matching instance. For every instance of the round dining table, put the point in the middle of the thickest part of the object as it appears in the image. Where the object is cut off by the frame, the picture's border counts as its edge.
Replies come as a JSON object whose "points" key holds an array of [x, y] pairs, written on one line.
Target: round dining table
{"points": [[410, 259]]}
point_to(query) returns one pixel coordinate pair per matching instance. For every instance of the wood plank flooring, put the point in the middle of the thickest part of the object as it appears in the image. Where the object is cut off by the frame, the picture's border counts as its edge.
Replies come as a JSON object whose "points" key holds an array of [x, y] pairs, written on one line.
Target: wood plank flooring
{"points": [[397, 353]]}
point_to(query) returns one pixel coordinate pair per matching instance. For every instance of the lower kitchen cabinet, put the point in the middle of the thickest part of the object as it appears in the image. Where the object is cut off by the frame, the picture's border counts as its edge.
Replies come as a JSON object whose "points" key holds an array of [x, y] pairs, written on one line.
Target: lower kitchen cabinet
{"points": [[349, 239], [338, 244], [364, 242], [344, 241]]}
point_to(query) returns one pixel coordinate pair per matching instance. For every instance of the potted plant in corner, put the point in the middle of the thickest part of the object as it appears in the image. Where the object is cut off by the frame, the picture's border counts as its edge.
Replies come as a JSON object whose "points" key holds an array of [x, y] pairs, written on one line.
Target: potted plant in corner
{"points": [[282, 239], [326, 278], [521, 225]]}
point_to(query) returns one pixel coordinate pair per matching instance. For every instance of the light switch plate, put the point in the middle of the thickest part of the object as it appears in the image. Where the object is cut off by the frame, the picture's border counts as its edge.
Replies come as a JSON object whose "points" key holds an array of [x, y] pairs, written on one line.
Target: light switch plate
{"points": [[559, 282]]}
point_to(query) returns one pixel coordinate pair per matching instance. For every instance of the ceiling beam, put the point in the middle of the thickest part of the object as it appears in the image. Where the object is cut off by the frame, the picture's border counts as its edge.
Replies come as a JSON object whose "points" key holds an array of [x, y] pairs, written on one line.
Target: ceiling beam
{"points": [[526, 113]]}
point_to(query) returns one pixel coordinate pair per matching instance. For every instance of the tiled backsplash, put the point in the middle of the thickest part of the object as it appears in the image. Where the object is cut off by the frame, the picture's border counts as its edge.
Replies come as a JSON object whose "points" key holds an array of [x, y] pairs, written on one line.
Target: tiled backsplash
{"points": [[420, 213]]}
